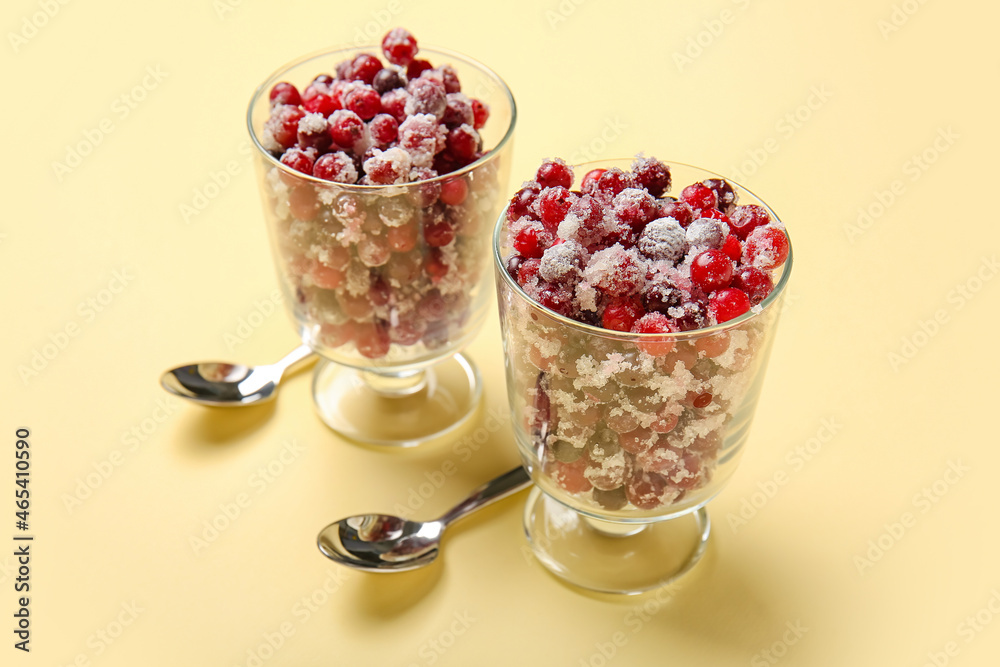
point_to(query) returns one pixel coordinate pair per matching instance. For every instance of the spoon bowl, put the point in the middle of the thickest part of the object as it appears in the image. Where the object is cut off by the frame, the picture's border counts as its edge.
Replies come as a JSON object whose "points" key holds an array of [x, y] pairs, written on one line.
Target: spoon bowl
{"points": [[386, 543], [226, 385]]}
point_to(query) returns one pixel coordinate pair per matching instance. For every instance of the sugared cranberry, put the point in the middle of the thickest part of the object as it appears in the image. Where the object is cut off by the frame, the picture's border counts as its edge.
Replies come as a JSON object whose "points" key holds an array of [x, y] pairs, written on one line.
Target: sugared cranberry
{"points": [[766, 248], [555, 173], [654, 323], [284, 93], [553, 203], [645, 489], [745, 219], [678, 210], [337, 167], [284, 125], [714, 214], [712, 270], [660, 295], [463, 142], [384, 129], [527, 270], [402, 238], [438, 233], [589, 183], [432, 306], [652, 175], [372, 339], [387, 167], [373, 251], [613, 181], [621, 314], [364, 101], [387, 79], [698, 196], [635, 208], [314, 132], [480, 112], [512, 264], [323, 79], [399, 46], [727, 304], [320, 103], [756, 283], [521, 202], [364, 67], [346, 128], [302, 203], [732, 248], [557, 298], [458, 111], [449, 77], [725, 196], [427, 96], [416, 67], [454, 191], [435, 266], [394, 103], [693, 315], [423, 195], [712, 346], [532, 240], [299, 160]]}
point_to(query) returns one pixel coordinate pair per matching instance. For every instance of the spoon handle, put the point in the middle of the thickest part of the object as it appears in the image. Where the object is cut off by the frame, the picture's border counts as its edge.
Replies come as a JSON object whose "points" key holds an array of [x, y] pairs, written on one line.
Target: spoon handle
{"points": [[301, 353], [490, 492]]}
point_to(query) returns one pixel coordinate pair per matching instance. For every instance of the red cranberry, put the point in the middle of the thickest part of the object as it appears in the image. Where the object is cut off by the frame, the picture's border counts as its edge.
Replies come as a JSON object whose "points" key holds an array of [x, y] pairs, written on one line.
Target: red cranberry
{"points": [[408, 329], [372, 340], [589, 182], [384, 129], [379, 292], [346, 128], [553, 203], [724, 194], [745, 219], [284, 93], [652, 175], [693, 316], [555, 173], [621, 314], [756, 283], [766, 248], [732, 248], [480, 112], [364, 101], [299, 160], [302, 203], [645, 489], [394, 103], [458, 111], [423, 195], [284, 125], [454, 191], [364, 67], [416, 67], [435, 266], [532, 240], [635, 208], [449, 77], [323, 79], [387, 79], [521, 203], [314, 132], [727, 304], [660, 295], [426, 96], [698, 196], [613, 181], [320, 103], [654, 323], [432, 306], [337, 167], [712, 270], [557, 298], [463, 142], [399, 46], [402, 238], [714, 214], [679, 211], [438, 233]]}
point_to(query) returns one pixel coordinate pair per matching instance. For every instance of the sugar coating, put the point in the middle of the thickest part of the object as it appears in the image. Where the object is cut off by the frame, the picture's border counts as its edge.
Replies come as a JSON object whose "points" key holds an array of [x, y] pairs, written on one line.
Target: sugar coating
{"points": [[707, 234], [394, 158], [663, 239], [313, 123], [422, 137], [562, 262], [616, 267]]}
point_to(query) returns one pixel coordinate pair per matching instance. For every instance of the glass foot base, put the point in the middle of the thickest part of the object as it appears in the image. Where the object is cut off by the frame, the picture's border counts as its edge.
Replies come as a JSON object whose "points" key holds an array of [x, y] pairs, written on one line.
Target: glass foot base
{"points": [[613, 557], [398, 410]]}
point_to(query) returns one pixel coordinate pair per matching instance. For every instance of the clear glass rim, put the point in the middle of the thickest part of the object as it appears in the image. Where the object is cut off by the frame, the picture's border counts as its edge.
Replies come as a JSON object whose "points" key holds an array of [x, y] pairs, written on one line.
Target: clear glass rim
{"points": [[626, 336], [274, 77]]}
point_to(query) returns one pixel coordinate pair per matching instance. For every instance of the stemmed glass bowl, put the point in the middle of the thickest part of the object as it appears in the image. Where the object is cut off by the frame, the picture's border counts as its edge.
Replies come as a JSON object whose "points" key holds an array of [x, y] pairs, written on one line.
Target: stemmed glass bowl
{"points": [[387, 310], [627, 436]]}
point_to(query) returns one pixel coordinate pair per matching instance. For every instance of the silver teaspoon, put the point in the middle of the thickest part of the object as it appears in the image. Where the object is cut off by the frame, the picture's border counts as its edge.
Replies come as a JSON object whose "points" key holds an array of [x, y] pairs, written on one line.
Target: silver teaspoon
{"points": [[223, 384], [386, 543]]}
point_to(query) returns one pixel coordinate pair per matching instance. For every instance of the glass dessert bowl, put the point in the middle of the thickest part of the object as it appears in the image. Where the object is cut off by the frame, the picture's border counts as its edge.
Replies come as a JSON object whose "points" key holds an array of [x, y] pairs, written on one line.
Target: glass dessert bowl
{"points": [[633, 391], [379, 186]]}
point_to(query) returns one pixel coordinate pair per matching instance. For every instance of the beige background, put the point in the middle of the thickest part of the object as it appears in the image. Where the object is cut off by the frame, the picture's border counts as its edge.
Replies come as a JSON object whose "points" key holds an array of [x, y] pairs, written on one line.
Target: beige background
{"points": [[821, 108]]}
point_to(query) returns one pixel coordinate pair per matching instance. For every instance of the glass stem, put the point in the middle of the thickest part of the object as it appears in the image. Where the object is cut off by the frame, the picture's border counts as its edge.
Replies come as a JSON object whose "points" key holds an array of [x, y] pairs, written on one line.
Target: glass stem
{"points": [[395, 385], [614, 528]]}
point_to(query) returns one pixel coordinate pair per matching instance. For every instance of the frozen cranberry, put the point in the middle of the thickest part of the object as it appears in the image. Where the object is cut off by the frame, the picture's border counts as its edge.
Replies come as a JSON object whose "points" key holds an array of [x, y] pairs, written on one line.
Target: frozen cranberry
{"points": [[555, 173], [635, 208], [553, 203], [480, 112], [399, 46], [416, 67], [678, 210], [422, 137], [652, 175], [745, 219], [712, 270], [299, 160], [463, 142], [407, 329], [714, 345], [589, 183], [756, 283], [320, 103], [654, 323], [335, 335], [557, 298], [423, 195], [364, 67], [532, 240], [713, 214], [337, 167], [693, 315], [616, 272], [454, 191], [314, 132], [402, 238], [727, 304], [698, 196], [645, 489], [732, 247], [438, 232], [283, 125], [522, 201], [725, 196], [660, 295], [394, 103], [458, 111], [665, 422], [766, 248], [527, 270], [364, 101], [427, 96], [383, 129], [284, 93], [346, 128], [372, 340], [621, 314], [432, 306], [325, 277]]}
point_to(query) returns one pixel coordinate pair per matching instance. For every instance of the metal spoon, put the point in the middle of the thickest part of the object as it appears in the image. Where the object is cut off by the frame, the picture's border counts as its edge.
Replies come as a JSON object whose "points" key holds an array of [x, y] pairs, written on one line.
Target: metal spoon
{"points": [[385, 543], [223, 384]]}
